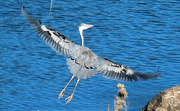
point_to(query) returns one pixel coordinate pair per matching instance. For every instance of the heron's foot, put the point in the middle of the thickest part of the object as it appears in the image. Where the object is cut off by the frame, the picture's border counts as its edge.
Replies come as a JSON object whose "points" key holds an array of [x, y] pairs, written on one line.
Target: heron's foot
{"points": [[61, 94], [69, 98]]}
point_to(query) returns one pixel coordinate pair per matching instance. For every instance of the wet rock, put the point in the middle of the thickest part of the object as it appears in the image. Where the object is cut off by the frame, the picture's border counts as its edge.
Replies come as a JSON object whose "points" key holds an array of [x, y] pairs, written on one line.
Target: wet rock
{"points": [[167, 100]]}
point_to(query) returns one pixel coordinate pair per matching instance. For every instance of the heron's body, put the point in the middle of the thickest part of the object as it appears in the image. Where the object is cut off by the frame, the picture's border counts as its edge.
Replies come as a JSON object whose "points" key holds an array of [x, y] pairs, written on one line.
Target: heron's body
{"points": [[83, 63]]}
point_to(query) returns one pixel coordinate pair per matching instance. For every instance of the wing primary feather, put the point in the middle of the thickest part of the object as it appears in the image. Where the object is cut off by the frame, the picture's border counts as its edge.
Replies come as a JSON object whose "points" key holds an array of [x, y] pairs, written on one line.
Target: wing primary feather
{"points": [[119, 76], [54, 39], [113, 70], [116, 76], [144, 76], [32, 21], [40, 22]]}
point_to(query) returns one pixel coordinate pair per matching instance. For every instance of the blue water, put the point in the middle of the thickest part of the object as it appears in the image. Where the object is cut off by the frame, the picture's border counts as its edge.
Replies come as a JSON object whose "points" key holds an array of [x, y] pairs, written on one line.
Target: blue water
{"points": [[141, 34]]}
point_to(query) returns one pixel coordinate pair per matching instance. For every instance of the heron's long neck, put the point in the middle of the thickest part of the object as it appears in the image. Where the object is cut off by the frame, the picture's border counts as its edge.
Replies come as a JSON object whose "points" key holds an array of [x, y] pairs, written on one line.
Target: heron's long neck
{"points": [[82, 38]]}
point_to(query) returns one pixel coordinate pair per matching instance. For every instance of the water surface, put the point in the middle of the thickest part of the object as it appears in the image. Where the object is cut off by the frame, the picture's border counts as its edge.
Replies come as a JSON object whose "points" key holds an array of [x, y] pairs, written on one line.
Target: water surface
{"points": [[141, 34]]}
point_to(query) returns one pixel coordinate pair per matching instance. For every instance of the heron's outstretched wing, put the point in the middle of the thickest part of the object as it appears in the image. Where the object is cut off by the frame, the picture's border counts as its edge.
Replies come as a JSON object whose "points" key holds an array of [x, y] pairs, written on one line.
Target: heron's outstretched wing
{"points": [[54, 39], [112, 70]]}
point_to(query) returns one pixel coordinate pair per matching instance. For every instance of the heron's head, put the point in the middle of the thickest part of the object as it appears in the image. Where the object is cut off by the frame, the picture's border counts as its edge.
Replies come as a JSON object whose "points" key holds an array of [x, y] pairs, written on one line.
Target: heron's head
{"points": [[84, 26]]}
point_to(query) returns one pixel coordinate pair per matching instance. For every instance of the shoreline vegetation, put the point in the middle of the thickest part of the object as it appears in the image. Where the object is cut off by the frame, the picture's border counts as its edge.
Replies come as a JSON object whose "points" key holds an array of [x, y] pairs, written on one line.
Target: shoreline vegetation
{"points": [[120, 100]]}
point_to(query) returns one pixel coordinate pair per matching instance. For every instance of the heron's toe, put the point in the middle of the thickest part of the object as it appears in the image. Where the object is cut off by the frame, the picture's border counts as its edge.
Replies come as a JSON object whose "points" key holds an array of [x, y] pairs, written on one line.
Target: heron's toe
{"points": [[69, 98], [61, 94]]}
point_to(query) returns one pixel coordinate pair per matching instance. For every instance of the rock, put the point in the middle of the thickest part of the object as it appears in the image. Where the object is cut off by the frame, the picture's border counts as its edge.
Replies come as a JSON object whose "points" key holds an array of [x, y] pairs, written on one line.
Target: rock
{"points": [[167, 100]]}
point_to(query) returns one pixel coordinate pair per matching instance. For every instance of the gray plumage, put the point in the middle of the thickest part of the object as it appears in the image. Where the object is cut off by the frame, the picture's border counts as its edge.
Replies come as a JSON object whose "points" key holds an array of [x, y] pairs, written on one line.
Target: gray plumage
{"points": [[83, 62]]}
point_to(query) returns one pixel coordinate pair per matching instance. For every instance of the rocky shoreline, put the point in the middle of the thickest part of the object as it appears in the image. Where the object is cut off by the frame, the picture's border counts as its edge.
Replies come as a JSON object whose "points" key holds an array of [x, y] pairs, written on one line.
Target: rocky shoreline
{"points": [[167, 100]]}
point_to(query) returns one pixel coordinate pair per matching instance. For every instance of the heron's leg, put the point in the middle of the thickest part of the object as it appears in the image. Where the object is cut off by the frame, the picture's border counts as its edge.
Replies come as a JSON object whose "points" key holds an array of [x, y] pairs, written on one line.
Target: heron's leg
{"points": [[71, 96], [63, 91]]}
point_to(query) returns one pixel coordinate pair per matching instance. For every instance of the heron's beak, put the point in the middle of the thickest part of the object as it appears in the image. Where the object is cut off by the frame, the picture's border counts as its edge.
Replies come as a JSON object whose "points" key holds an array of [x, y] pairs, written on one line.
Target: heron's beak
{"points": [[89, 26]]}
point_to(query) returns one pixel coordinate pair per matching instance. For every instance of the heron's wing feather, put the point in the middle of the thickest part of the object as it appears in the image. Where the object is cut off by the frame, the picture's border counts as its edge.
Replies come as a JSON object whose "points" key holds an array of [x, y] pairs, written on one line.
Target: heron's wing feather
{"points": [[54, 39], [112, 70]]}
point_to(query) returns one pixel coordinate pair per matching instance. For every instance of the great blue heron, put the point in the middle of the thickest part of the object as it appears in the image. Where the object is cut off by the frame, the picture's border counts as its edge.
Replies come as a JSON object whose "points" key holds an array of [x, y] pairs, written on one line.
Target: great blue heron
{"points": [[83, 62]]}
